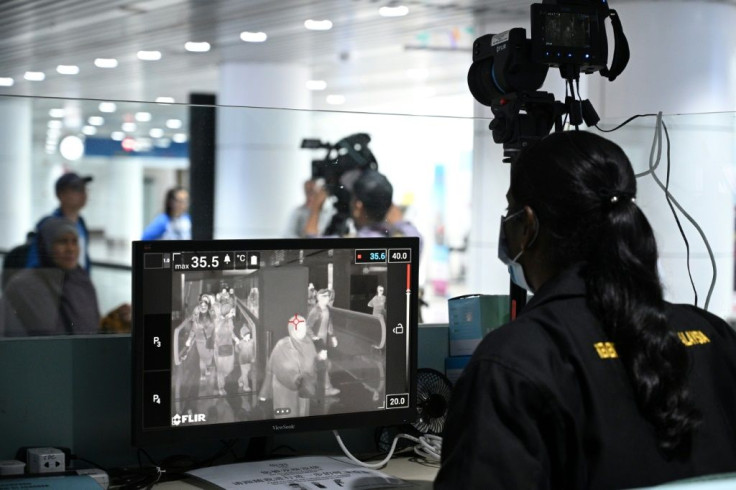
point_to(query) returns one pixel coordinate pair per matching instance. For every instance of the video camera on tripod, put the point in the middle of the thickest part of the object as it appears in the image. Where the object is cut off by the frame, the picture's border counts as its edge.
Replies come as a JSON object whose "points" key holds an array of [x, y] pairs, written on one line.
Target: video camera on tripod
{"points": [[508, 69], [342, 164]]}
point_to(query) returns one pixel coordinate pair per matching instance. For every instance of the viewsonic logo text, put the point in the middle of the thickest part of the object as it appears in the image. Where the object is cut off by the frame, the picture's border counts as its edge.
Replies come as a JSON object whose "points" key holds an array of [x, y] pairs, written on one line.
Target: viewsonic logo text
{"points": [[284, 427]]}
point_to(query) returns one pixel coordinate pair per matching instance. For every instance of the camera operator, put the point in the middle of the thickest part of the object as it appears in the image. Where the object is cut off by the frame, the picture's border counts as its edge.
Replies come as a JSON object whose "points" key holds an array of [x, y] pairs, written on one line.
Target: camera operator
{"points": [[372, 208], [314, 215]]}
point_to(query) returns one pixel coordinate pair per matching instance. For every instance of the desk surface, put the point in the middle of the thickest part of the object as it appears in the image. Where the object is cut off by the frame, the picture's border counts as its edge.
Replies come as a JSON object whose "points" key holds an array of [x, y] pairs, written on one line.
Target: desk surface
{"points": [[406, 468]]}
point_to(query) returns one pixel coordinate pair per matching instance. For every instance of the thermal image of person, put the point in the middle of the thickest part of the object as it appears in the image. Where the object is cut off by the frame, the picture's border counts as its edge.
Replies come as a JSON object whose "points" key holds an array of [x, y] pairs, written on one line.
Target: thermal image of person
{"points": [[599, 383], [378, 303], [56, 298], [319, 325], [246, 355], [202, 333], [225, 340], [291, 377]]}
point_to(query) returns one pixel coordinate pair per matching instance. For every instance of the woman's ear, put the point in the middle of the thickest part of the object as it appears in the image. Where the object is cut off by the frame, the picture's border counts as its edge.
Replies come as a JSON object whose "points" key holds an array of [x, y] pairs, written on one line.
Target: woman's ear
{"points": [[530, 229]]}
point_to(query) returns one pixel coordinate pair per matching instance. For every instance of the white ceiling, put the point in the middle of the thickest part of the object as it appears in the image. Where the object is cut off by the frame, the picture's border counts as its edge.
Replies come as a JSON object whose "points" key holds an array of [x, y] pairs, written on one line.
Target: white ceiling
{"points": [[365, 57]]}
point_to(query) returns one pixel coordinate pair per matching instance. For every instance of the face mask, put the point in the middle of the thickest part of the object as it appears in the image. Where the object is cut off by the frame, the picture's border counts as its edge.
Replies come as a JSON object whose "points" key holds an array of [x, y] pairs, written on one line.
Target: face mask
{"points": [[516, 271]]}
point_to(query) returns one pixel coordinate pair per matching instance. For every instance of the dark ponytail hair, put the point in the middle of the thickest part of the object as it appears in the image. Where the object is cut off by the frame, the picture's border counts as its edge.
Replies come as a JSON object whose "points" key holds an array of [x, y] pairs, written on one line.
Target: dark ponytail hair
{"points": [[582, 188]]}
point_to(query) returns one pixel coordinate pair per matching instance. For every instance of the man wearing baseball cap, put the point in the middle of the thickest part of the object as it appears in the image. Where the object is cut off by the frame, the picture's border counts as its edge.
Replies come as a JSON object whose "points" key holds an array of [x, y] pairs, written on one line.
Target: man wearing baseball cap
{"points": [[71, 190]]}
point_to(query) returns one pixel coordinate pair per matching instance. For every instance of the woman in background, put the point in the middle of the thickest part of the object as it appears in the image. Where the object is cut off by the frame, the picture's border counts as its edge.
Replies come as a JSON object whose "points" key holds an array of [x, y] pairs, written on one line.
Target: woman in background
{"points": [[174, 223], [57, 298], [599, 383]]}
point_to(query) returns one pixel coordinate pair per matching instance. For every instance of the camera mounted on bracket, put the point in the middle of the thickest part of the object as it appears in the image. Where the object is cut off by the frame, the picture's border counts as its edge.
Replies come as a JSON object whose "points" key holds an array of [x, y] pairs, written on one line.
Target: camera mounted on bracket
{"points": [[508, 69], [342, 164]]}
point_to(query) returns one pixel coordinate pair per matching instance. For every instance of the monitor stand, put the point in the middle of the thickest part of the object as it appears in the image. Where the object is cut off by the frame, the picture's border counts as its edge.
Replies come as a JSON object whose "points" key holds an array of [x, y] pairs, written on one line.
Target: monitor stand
{"points": [[259, 448]]}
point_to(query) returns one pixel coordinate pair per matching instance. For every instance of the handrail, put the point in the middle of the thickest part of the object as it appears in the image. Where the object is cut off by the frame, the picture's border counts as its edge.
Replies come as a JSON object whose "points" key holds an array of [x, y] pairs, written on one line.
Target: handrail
{"points": [[96, 263]]}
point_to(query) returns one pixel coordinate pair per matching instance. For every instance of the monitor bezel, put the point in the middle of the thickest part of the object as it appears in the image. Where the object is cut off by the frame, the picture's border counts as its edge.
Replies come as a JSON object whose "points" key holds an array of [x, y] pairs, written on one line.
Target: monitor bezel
{"points": [[168, 435]]}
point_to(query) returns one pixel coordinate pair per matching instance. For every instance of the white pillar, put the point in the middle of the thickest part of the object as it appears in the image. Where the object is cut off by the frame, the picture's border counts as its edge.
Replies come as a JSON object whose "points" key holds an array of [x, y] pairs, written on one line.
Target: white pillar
{"points": [[15, 171], [260, 166], [683, 61], [123, 202]]}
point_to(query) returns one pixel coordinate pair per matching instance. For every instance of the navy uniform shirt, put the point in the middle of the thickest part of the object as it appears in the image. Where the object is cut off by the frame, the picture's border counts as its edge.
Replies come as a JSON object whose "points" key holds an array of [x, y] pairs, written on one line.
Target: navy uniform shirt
{"points": [[545, 403]]}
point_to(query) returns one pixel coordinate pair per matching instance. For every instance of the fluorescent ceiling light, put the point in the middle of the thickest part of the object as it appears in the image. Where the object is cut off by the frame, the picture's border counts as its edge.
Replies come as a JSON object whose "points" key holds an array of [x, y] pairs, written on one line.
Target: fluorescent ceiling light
{"points": [[162, 143], [57, 112], [6, 82], [106, 63], [96, 120], [179, 138], [396, 11], [165, 100], [54, 124], [107, 107], [117, 135], [173, 123], [334, 99], [156, 132], [142, 116], [67, 69], [194, 47], [71, 147], [149, 55], [316, 84], [129, 127], [89, 130], [253, 37], [318, 25], [34, 76]]}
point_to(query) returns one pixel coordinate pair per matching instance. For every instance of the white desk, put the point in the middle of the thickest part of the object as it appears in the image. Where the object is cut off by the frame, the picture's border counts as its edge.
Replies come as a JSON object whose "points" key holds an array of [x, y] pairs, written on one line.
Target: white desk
{"points": [[406, 468]]}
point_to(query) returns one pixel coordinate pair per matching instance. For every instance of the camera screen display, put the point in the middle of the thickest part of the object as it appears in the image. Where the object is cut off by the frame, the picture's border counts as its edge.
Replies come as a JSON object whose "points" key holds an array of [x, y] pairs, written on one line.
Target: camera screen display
{"points": [[567, 29], [272, 334]]}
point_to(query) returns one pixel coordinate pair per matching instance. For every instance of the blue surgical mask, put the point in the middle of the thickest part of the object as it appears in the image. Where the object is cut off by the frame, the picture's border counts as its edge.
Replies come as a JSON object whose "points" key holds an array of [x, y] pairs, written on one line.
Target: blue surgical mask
{"points": [[516, 271]]}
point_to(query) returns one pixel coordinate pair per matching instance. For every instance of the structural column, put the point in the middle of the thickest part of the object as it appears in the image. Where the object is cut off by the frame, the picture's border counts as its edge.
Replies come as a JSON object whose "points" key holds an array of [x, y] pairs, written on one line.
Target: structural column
{"points": [[683, 61], [15, 171], [260, 168]]}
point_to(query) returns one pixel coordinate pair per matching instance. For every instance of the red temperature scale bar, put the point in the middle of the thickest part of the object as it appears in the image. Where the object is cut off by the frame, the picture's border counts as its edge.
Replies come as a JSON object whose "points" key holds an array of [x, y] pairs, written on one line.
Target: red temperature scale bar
{"points": [[408, 301]]}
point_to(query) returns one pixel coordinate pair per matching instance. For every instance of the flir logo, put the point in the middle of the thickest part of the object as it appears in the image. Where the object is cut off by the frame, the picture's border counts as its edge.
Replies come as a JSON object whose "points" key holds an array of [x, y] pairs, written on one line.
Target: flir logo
{"points": [[188, 419]]}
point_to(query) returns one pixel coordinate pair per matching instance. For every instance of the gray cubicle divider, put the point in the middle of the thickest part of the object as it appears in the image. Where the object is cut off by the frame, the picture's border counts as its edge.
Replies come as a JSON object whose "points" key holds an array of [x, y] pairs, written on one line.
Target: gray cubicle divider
{"points": [[75, 392]]}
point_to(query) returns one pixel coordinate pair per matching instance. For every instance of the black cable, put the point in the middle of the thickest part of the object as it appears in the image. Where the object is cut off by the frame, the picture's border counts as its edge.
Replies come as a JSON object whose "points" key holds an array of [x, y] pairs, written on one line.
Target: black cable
{"points": [[671, 201], [674, 213]]}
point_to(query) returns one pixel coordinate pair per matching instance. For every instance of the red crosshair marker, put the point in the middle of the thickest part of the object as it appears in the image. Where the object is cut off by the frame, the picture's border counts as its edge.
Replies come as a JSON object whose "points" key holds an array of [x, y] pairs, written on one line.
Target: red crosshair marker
{"points": [[295, 320]]}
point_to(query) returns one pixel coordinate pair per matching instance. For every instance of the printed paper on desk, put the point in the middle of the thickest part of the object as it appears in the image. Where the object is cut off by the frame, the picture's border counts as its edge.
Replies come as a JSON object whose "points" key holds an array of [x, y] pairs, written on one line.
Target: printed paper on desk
{"points": [[311, 472]]}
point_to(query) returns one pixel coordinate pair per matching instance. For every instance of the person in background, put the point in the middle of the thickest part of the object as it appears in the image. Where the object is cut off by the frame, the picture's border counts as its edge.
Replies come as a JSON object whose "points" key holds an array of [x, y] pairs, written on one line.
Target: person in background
{"points": [[174, 223], [599, 382], [71, 191], [312, 217], [372, 205], [56, 298]]}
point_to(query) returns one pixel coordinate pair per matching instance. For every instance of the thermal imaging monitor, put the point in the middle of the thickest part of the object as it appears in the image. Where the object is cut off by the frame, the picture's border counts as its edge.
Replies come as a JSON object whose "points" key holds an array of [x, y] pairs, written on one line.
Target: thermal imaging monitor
{"points": [[241, 338]]}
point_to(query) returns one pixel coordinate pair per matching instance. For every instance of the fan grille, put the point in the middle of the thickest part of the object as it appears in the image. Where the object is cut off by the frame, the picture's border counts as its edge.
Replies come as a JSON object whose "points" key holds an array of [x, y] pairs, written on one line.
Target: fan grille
{"points": [[433, 397]]}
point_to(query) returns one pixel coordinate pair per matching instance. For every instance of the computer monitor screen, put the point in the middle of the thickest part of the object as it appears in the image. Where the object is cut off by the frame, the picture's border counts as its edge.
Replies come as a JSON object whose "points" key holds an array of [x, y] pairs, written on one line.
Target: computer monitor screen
{"points": [[240, 338]]}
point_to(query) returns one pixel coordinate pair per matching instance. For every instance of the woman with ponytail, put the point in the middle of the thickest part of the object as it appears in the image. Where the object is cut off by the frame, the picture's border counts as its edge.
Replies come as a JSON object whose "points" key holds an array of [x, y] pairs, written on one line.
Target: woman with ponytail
{"points": [[599, 383]]}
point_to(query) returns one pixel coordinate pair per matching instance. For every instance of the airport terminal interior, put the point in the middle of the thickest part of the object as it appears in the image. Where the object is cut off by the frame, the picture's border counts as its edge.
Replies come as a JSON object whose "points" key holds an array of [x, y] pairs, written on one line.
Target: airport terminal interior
{"points": [[242, 102]]}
